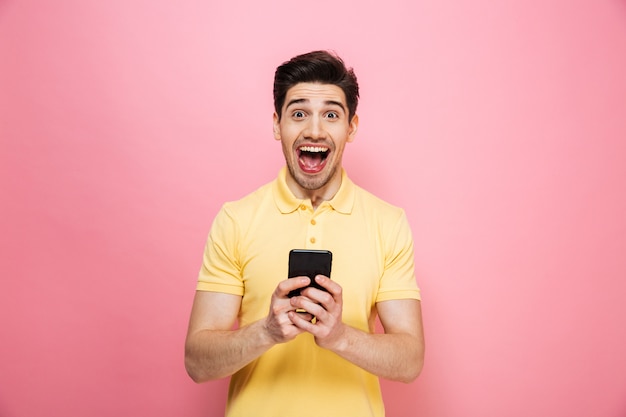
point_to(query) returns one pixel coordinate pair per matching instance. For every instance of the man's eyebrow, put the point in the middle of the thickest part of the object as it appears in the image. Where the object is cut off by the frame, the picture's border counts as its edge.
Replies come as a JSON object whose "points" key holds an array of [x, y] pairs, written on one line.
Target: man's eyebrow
{"points": [[296, 101], [306, 100], [335, 103]]}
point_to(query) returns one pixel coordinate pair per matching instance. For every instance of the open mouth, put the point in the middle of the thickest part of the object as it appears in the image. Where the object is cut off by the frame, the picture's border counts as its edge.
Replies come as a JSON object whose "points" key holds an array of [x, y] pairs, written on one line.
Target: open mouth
{"points": [[312, 158]]}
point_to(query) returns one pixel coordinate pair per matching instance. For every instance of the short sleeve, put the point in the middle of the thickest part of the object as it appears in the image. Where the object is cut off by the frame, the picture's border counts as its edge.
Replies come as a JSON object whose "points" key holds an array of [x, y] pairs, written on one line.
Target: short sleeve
{"points": [[221, 270], [398, 280]]}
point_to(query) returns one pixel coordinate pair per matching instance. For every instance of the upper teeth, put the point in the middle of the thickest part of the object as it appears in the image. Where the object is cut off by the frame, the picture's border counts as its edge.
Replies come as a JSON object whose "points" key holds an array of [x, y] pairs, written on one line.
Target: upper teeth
{"points": [[313, 149]]}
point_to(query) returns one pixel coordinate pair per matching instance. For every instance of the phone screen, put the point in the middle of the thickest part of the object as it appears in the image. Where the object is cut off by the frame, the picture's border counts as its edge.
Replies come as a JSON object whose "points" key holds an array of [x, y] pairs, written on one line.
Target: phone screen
{"points": [[309, 263]]}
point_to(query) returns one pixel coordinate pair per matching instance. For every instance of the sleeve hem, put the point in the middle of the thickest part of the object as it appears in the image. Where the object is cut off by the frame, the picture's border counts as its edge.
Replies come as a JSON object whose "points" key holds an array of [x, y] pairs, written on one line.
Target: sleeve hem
{"points": [[215, 287], [399, 295]]}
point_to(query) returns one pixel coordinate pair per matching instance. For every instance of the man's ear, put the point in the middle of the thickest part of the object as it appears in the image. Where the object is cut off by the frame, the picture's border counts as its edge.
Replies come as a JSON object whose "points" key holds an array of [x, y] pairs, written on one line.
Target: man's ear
{"points": [[276, 123], [354, 126]]}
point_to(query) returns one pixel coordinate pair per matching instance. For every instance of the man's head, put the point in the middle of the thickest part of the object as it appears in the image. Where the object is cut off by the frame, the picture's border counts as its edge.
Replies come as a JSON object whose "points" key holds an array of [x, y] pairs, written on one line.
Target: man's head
{"points": [[316, 67], [315, 116]]}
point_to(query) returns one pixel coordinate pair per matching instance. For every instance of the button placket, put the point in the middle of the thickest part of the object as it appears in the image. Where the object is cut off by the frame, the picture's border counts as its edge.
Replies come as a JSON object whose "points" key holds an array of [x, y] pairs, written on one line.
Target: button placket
{"points": [[314, 238], [307, 214], [312, 232]]}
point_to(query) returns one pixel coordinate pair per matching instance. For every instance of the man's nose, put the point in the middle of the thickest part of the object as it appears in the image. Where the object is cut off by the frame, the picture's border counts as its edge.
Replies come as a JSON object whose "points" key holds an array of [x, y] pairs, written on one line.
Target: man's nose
{"points": [[315, 129]]}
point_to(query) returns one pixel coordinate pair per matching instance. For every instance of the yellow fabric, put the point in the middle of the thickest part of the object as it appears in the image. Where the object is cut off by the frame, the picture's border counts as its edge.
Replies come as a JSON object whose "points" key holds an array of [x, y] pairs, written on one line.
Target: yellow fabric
{"points": [[247, 254]]}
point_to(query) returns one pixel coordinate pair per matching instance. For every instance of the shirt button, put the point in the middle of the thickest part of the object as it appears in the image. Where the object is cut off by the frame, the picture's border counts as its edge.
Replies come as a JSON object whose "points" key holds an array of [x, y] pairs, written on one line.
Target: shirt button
{"points": [[313, 222], [312, 240], [302, 207]]}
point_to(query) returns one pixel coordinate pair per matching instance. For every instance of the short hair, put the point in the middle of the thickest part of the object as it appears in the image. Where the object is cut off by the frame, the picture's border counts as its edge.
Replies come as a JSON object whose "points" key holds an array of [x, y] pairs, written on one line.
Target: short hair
{"points": [[316, 67]]}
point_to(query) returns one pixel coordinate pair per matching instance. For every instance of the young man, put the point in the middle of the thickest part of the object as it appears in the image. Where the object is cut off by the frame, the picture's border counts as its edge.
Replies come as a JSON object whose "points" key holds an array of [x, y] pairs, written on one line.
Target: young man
{"points": [[315, 354]]}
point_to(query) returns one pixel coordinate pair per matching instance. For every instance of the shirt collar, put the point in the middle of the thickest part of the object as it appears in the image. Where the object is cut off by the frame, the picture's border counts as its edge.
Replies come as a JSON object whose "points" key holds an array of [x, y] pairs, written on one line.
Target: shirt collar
{"points": [[343, 201]]}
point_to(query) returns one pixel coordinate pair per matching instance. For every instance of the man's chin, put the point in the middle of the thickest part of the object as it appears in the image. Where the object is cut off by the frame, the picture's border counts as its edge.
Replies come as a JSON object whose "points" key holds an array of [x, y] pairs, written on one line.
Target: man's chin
{"points": [[316, 181], [311, 184]]}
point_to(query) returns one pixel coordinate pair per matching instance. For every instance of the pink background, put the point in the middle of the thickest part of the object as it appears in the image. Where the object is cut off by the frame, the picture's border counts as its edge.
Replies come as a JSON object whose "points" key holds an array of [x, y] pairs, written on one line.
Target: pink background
{"points": [[499, 126]]}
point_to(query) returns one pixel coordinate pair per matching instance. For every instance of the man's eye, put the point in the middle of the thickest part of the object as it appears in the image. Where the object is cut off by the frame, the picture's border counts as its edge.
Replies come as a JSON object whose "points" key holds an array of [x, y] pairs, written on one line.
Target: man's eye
{"points": [[331, 115], [298, 114]]}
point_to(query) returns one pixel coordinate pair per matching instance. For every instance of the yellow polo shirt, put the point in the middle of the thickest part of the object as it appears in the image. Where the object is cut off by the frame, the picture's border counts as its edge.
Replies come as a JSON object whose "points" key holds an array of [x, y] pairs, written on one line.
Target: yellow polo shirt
{"points": [[247, 254]]}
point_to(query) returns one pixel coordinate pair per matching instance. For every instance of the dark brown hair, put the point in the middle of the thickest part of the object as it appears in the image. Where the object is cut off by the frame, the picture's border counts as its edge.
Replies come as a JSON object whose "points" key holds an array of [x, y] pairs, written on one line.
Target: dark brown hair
{"points": [[316, 67]]}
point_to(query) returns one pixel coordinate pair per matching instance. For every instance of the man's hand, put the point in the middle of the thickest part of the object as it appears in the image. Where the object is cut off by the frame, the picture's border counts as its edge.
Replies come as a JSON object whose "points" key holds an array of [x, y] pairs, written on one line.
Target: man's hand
{"points": [[327, 308], [279, 322]]}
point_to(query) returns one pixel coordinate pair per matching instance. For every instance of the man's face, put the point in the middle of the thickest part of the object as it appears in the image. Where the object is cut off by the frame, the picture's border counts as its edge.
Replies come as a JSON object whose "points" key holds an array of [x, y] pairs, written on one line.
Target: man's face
{"points": [[314, 129]]}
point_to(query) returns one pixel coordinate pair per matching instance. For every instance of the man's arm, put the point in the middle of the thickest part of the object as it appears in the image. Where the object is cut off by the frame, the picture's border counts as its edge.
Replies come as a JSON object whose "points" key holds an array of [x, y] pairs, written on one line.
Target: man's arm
{"points": [[213, 349], [398, 354]]}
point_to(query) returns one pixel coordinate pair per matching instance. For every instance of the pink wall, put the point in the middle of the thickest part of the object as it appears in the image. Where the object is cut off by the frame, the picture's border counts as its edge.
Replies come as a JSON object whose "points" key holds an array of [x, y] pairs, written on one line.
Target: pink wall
{"points": [[499, 126]]}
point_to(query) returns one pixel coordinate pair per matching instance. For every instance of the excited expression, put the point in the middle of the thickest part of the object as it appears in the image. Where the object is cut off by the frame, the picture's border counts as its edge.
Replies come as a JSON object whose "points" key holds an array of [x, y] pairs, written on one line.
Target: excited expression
{"points": [[314, 129]]}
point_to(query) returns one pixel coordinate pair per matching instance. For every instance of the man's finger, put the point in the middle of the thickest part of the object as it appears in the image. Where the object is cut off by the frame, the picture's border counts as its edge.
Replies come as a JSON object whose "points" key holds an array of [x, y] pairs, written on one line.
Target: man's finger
{"points": [[288, 285]]}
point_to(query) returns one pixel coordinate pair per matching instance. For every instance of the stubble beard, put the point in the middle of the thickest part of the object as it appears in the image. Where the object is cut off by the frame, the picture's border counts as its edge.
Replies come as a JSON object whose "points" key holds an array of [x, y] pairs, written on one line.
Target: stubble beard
{"points": [[311, 184]]}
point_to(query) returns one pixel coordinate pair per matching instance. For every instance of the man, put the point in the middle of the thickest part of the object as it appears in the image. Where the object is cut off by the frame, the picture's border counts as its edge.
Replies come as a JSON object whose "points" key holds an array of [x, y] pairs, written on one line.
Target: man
{"points": [[315, 354]]}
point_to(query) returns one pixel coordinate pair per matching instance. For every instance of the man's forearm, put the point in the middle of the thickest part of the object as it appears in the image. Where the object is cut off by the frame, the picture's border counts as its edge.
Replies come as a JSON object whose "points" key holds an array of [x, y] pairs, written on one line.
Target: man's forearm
{"points": [[213, 354], [397, 356]]}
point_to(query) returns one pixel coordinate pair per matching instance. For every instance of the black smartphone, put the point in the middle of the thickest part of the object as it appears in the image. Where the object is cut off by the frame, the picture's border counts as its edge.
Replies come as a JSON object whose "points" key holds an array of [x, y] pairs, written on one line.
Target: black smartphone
{"points": [[309, 263]]}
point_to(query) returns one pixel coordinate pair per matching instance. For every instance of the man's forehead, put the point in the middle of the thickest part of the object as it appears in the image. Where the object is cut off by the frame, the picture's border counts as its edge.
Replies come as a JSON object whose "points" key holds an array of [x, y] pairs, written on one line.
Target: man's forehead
{"points": [[315, 92]]}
